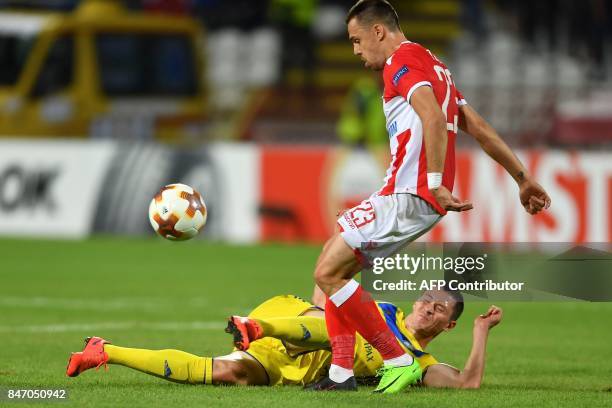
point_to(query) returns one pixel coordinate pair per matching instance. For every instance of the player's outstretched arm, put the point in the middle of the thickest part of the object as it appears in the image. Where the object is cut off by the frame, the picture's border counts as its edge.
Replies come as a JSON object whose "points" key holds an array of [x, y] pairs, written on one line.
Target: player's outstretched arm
{"points": [[445, 376], [533, 197]]}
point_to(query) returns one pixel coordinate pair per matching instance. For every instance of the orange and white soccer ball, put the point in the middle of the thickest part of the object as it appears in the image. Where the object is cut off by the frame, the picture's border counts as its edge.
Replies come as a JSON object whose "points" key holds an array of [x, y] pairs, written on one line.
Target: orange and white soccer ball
{"points": [[177, 212]]}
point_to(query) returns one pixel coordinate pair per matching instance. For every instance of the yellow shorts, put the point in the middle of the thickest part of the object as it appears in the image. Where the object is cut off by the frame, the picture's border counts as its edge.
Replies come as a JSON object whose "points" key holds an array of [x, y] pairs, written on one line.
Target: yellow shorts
{"points": [[281, 367]]}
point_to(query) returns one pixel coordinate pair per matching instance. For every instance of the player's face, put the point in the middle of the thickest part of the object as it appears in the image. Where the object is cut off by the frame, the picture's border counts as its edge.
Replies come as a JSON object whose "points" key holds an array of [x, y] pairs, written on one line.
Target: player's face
{"points": [[366, 44], [431, 314]]}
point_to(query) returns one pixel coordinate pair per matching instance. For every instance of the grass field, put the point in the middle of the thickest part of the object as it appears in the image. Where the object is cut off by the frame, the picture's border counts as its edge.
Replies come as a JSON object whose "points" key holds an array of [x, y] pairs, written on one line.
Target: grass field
{"points": [[154, 294]]}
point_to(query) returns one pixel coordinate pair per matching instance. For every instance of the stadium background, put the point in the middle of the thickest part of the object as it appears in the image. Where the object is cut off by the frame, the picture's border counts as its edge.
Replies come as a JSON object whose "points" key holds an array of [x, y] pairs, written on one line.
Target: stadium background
{"points": [[262, 107]]}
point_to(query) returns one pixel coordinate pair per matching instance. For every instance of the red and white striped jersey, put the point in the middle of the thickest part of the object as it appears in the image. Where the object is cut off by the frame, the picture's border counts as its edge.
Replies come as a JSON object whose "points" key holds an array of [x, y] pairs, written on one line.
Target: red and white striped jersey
{"points": [[409, 68]]}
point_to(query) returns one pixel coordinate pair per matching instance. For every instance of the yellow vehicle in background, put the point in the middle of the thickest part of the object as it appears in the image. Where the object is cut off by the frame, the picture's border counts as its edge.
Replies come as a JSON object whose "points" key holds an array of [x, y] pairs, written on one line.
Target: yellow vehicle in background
{"points": [[101, 71]]}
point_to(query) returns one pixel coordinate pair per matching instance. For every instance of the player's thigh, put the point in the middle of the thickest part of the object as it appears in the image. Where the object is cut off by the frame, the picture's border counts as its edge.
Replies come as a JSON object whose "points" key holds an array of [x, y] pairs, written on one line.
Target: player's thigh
{"points": [[238, 372], [337, 261]]}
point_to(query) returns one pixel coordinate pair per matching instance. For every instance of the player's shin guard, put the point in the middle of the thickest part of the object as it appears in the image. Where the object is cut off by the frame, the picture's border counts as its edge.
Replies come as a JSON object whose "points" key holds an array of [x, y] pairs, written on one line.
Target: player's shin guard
{"points": [[357, 307], [342, 340], [173, 365]]}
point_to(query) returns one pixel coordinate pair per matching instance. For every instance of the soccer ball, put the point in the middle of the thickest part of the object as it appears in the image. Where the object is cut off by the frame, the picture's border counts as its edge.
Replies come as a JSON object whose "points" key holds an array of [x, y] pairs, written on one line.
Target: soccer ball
{"points": [[177, 212]]}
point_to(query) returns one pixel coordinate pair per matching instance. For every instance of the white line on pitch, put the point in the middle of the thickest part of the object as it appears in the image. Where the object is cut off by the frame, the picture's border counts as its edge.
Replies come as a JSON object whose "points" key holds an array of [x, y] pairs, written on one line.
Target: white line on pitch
{"points": [[81, 304], [78, 327], [151, 304]]}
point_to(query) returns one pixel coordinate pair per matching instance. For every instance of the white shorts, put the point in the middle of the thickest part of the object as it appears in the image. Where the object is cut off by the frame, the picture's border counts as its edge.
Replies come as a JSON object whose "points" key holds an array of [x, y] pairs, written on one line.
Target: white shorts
{"points": [[382, 225]]}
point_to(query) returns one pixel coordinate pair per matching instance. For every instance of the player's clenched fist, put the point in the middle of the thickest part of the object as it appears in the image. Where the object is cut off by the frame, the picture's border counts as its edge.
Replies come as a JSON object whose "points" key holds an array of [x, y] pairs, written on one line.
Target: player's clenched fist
{"points": [[533, 196], [490, 319]]}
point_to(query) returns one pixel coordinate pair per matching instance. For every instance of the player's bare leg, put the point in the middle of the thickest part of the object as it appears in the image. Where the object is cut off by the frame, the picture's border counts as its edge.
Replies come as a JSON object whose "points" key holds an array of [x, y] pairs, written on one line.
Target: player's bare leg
{"points": [[349, 309], [336, 265], [238, 369]]}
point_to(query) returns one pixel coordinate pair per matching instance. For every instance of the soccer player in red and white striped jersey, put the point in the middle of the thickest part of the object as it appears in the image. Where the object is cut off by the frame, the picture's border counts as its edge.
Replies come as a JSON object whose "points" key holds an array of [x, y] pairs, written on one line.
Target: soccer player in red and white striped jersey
{"points": [[410, 68], [424, 111]]}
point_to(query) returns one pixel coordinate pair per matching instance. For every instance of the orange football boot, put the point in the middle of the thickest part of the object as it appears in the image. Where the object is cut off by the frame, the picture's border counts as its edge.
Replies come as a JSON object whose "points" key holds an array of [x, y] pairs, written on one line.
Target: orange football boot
{"points": [[93, 355], [244, 330]]}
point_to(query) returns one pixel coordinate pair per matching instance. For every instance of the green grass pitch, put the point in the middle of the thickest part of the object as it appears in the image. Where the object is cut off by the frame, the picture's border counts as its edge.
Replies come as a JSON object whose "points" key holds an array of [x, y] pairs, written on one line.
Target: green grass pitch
{"points": [[155, 294]]}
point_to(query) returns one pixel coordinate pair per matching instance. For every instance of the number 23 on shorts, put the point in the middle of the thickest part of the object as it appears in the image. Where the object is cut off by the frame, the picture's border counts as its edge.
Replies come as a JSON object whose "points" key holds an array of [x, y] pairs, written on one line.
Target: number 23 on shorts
{"points": [[363, 214]]}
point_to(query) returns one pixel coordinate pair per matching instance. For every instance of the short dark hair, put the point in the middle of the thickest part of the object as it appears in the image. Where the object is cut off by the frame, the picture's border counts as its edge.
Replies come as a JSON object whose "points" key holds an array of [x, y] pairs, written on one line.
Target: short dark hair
{"points": [[458, 298], [371, 12]]}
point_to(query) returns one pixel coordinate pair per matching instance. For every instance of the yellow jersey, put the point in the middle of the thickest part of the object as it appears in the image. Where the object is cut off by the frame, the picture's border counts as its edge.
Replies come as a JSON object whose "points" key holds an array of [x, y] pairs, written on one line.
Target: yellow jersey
{"points": [[305, 367], [368, 360]]}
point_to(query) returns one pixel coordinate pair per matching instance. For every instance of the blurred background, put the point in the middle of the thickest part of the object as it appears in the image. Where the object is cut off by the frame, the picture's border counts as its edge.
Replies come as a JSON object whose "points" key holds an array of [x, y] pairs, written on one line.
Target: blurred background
{"points": [[261, 105]]}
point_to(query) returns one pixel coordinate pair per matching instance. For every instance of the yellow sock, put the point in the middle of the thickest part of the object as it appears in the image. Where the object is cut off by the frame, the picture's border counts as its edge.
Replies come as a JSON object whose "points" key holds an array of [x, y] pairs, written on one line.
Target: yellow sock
{"points": [[173, 365], [301, 330]]}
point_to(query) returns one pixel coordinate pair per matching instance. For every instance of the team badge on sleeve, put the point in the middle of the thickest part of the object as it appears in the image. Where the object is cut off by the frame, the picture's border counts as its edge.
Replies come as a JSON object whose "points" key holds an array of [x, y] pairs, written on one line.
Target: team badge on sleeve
{"points": [[399, 74]]}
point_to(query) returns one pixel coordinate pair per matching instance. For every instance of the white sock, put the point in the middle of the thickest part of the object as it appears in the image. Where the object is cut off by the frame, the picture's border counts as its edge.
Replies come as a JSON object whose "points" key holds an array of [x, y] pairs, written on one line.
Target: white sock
{"points": [[403, 360], [344, 292], [339, 374]]}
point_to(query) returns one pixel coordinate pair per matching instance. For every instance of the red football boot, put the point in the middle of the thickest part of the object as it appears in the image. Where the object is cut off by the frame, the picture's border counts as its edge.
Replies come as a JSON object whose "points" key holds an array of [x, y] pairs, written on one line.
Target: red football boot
{"points": [[93, 355], [244, 330]]}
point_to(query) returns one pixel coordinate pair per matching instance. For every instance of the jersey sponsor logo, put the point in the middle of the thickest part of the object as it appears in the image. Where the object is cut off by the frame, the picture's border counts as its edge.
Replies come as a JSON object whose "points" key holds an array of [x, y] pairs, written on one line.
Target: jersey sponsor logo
{"points": [[399, 74], [392, 129], [369, 352]]}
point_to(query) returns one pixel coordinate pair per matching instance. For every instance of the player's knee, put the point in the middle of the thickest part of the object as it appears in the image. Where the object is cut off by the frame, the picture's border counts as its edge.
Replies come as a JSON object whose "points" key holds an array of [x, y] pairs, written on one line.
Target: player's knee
{"points": [[335, 264], [227, 372], [232, 372], [240, 375]]}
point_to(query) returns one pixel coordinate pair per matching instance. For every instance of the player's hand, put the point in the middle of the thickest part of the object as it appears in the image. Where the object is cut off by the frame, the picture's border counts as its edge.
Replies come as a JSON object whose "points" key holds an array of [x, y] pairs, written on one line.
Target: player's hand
{"points": [[450, 202], [490, 319], [533, 197]]}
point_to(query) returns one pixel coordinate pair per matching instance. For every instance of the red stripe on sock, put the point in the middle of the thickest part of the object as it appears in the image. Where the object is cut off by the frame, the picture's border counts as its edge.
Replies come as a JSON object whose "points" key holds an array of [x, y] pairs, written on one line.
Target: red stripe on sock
{"points": [[341, 336], [361, 312]]}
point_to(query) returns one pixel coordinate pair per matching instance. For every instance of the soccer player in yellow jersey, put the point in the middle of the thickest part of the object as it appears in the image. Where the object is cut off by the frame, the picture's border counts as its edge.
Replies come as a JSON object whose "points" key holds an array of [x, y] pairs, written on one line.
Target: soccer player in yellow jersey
{"points": [[284, 341]]}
